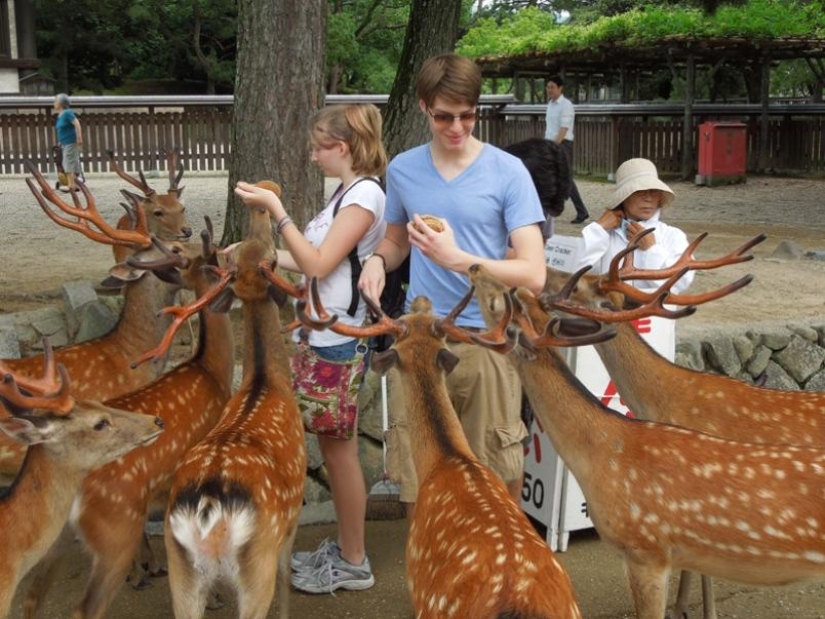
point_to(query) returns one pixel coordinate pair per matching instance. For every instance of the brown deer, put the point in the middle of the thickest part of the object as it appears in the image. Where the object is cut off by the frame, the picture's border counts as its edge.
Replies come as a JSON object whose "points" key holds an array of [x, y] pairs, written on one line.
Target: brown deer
{"points": [[646, 380], [101, 368], [114, 502], [165, 209], [667, 497], [66, 439], [471, 552], [235, 500]]}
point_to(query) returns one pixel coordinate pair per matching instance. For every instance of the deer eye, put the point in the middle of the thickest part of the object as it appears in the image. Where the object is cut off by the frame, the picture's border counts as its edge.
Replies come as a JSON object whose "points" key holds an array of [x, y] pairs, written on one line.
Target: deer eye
{"points": [[101, 425], [158, 213]]}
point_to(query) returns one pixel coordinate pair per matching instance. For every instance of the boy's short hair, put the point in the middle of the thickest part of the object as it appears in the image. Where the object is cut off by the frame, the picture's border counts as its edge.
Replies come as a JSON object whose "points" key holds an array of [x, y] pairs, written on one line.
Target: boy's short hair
{"points": [[557, 80], [450, 76]]}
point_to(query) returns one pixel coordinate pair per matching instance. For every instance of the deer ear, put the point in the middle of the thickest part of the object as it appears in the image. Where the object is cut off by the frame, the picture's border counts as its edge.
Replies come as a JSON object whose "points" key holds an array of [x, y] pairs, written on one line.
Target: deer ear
{"points": [[223, 302], [24, 431], [277, 295], [576, 327], [121, 274], [169, 275], [382, 362], [447, 360]]}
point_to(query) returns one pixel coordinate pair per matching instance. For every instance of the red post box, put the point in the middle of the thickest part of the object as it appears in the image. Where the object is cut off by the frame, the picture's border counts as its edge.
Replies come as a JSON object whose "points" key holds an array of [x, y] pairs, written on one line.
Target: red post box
{"points": [[723, 153]]}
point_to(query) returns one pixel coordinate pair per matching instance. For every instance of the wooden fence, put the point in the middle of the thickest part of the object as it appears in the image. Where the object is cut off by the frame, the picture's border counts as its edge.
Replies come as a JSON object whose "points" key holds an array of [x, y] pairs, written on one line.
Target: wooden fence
{"points": [[139, 128]]}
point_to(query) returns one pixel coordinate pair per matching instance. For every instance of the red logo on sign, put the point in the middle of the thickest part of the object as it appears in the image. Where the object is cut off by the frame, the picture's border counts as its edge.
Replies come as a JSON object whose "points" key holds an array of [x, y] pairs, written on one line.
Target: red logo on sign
{"points": [[609, 393], [642, 325]]}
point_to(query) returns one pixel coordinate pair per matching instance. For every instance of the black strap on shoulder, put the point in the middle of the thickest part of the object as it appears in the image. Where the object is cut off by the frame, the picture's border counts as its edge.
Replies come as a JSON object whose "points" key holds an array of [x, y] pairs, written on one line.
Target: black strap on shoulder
{"points": [[354, 262]]}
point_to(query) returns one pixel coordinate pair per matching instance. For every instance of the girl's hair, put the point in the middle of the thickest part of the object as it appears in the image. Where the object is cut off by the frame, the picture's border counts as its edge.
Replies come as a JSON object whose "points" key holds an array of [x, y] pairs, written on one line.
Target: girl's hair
{"points": [[455, 78], [359, 126]]}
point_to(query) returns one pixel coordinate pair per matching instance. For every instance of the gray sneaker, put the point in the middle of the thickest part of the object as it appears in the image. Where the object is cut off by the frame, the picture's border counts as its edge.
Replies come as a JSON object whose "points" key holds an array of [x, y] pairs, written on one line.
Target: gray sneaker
{"points": [[336, 573], [312, 560]]}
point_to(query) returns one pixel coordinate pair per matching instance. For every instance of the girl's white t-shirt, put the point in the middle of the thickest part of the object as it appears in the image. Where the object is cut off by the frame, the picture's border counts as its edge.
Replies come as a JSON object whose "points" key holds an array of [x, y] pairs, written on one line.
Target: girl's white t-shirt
{"points": [[336, 288]]}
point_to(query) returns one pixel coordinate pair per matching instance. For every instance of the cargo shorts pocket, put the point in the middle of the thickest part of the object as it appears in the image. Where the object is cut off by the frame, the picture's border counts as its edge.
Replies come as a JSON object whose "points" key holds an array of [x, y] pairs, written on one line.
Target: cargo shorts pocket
{"points": [[505, 453]]}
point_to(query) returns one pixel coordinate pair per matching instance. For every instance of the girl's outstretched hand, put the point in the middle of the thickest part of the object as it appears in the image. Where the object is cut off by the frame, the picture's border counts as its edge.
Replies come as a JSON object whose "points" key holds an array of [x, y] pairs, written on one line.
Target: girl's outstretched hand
{"points": [[261, 197]]}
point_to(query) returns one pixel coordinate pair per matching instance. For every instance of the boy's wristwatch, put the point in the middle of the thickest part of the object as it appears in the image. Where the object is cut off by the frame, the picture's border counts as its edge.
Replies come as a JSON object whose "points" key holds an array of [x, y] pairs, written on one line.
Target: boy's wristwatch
{"points": [[373, 254]]}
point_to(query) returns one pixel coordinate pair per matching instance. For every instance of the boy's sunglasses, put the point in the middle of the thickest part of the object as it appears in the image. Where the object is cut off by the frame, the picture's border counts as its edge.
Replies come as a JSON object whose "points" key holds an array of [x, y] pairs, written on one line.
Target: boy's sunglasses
{"points": [[440, 118]]}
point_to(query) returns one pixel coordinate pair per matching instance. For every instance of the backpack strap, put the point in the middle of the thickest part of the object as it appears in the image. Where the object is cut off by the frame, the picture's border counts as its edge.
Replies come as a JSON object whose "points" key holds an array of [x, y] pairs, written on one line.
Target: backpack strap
{"points": [[354, 261]]}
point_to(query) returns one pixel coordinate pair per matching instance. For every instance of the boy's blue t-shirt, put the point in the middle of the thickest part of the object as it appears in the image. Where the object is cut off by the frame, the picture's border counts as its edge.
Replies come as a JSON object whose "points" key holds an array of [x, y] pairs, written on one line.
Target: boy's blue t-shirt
{"points": [[483, 205], [66, 133]]}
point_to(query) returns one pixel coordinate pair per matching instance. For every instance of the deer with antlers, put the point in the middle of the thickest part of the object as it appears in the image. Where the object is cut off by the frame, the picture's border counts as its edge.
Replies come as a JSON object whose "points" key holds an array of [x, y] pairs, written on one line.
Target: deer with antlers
{"points": [[667, 497], [101, 368], [646, 380], [233, 508], [471, 552], [66, 438], [115, 500]]}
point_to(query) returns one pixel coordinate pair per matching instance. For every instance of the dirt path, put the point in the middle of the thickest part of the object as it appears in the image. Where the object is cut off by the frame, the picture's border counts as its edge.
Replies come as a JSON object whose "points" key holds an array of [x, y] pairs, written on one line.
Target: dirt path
{"points": [[36, 256]]}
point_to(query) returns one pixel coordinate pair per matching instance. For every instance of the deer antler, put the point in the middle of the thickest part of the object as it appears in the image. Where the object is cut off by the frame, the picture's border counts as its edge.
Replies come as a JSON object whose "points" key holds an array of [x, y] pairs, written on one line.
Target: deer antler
{"points": [[182, 313], [173, 258], [140, 184], [85, 217], [53, 388], [172, 155], [500, 338]]}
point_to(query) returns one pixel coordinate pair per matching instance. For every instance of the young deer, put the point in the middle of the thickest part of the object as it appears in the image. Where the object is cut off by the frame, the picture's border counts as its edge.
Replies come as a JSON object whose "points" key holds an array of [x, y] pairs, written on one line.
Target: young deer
{"points": [[646, 379], [114, 502], [235, 499], [667, 497], [471, 552], [101, 368], [66, 439]]}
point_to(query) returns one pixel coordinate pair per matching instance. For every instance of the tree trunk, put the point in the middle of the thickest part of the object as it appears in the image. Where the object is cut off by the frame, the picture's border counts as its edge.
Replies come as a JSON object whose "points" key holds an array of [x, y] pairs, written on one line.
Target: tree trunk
{"points": [[279, 85], [432, 30]]}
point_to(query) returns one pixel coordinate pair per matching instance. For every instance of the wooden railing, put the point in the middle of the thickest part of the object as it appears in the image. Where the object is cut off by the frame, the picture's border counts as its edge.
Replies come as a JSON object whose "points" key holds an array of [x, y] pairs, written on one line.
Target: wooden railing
{"points": [[138, 128]]}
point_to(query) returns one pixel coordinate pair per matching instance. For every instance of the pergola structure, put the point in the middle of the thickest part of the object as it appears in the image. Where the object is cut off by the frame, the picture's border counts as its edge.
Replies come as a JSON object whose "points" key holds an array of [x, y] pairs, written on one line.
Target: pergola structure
{"points": [[683, 54]]}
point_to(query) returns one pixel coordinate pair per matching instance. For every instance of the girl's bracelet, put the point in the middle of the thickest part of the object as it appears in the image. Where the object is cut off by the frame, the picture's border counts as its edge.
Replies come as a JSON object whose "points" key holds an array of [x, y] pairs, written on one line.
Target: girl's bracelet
{"points": [[285, 221]]}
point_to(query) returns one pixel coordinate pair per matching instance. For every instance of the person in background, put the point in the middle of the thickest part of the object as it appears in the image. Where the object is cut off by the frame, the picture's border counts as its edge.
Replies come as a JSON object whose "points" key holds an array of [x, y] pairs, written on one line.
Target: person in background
{"points": [[635, 206], [560, 118], [328, 368], [485, 201], [70, 138]]}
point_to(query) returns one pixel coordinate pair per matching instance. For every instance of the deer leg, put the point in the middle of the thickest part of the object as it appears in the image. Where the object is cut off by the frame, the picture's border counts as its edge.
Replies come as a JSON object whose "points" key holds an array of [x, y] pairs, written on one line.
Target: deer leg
{"points": [[708, 601], [648, 584], [284, 572], [189, 591], [45, 573], [144, 567], [256, 581], [680, 607]]}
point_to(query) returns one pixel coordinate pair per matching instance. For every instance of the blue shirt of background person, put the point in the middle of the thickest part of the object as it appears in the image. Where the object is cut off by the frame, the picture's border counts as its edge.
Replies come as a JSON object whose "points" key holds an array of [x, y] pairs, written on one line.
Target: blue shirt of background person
{"points": [[66, 133], [496, 182]]}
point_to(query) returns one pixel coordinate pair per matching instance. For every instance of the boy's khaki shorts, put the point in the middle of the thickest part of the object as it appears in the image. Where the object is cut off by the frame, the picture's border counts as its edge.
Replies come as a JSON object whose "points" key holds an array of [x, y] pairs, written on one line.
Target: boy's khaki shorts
{"points": [[486, 394]]}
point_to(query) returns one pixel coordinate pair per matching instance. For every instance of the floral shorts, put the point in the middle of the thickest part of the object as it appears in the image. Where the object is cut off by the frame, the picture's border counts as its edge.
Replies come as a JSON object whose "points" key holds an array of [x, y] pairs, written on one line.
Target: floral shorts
{"points": [[326, 387]]}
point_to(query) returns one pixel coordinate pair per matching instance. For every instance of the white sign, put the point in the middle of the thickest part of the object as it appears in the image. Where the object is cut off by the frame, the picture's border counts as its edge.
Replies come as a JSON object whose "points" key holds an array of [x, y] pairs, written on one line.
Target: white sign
{"points": [[562, 252]]}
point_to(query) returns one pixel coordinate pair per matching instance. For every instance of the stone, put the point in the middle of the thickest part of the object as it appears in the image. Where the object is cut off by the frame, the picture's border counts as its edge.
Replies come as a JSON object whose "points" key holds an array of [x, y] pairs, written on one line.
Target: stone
{"points": [[689, 355], [777, 378], [369, 408], [321, 513], [776, 340], [722, 356], [50, 324], [744, 347], [816, 382], [804, 331], [816, 254], [9, 346], [371, 455], [76, 295], [315, 492], [800, 358], [237, 377], [759, 361], [96, 320], [787, 250], [314, 457]]}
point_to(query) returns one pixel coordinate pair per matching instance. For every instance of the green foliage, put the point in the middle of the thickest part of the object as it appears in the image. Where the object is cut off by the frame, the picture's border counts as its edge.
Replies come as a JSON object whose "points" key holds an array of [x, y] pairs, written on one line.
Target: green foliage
{"points": [[758, 19]]}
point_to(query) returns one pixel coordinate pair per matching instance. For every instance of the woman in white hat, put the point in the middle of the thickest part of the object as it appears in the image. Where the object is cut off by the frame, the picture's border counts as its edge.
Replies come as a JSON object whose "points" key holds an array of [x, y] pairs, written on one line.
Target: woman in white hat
{"points": [[635, 206]]}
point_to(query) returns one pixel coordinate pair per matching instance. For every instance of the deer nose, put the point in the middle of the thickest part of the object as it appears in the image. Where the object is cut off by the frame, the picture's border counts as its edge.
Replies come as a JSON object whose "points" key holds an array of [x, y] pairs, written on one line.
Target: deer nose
{"points": [[159, 422], [186, 232]]}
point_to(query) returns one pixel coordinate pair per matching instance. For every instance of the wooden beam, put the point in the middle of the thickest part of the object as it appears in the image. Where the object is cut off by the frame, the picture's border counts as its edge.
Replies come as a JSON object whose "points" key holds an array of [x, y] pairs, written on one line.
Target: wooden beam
{"points": [[764, 120], [687, 127]]}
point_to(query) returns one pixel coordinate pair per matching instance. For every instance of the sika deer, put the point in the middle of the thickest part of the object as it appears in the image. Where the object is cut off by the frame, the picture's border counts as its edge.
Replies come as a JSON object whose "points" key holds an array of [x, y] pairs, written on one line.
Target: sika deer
{"points": [[101, 368], [67, 438], [111, 509], [646, 379], [235, 500], [471, 552], [667, 497]]}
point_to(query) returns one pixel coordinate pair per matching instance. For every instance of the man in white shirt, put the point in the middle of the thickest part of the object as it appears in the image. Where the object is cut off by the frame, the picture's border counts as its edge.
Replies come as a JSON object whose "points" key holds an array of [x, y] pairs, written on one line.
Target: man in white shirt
{"points": [[560, 119]]}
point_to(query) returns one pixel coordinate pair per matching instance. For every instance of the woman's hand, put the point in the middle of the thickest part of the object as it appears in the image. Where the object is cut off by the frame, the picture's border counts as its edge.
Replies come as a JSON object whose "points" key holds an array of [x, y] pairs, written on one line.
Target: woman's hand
{"points": [[258, 197], [634, 229], [440, 247], [611, 219], [373, 278]]}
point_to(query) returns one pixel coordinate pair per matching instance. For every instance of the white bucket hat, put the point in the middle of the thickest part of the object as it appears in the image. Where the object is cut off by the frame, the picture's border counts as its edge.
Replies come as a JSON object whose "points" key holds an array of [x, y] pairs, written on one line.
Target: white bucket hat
{"points": [[637, 175]]}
